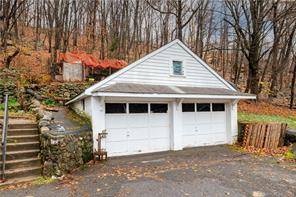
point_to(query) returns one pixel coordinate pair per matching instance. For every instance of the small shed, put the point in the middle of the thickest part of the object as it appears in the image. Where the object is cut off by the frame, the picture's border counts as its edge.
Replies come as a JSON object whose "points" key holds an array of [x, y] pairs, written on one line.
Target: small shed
{"points": [[73, 71], [78, 66]]}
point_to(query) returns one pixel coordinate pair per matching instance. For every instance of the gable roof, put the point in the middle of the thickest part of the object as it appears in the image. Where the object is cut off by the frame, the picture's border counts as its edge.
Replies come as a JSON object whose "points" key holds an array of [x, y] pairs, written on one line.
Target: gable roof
{"points": [[89, 91]]}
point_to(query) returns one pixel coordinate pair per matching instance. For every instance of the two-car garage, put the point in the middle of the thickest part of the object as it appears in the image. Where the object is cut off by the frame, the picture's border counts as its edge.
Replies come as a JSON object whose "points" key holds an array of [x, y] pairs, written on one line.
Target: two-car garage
{"points": [[168, 100], [140, 127]]}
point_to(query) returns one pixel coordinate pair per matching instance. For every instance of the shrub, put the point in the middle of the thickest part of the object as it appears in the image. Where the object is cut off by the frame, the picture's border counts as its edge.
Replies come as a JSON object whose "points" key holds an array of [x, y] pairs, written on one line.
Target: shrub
{"points": [[49, 102], [13, 105]]}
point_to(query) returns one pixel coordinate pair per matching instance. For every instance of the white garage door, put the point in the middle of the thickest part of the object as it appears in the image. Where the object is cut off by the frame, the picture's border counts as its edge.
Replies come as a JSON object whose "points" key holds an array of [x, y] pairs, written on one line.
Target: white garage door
{"points": [[203, 124], [135, 128]]}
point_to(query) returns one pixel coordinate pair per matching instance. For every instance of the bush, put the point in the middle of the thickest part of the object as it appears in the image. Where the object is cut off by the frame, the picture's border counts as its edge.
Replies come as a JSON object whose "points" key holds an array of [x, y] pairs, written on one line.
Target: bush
{"points": [[49, 102], [13, 105], [290, 155]]}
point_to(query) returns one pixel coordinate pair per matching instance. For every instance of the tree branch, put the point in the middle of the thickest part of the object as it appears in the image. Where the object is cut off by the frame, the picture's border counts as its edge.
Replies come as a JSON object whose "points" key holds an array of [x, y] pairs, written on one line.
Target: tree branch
{"points": [[160, 11]]}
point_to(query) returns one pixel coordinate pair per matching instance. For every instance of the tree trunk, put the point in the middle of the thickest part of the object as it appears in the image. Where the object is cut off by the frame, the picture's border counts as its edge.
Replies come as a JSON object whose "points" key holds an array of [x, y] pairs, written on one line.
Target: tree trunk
{"points": [[75, 31], [94, 23], [253, 77], [293, 85], [179, 20], [9, 59]]}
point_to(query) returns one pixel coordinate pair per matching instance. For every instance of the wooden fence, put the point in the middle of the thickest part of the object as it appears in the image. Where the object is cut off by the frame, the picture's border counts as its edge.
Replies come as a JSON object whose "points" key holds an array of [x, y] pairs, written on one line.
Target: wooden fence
{"points": [[263, 135]]}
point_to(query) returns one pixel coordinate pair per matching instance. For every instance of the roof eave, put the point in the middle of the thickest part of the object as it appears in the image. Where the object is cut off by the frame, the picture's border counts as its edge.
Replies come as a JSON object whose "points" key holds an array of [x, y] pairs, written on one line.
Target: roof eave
{"points": [[77, 98], [154, 95]]}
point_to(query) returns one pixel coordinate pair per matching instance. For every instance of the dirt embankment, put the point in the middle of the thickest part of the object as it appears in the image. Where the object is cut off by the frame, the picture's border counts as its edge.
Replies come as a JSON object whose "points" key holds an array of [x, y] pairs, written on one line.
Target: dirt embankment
{"points": [[265, 108]]}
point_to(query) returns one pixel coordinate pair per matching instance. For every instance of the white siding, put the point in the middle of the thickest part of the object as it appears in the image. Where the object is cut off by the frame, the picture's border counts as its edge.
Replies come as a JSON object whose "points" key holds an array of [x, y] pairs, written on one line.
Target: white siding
{"points": [[157, 71], [77, 106], [88, 106]]}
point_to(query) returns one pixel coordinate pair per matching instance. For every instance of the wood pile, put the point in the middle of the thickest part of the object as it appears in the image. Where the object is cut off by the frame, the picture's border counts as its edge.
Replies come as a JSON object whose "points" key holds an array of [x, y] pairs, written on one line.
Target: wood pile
{"points": [[263, 135]]}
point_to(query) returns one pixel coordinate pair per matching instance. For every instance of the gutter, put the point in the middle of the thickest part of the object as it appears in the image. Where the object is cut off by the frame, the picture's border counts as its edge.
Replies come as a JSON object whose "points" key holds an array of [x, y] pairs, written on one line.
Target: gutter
{"points": [[79, 97]]}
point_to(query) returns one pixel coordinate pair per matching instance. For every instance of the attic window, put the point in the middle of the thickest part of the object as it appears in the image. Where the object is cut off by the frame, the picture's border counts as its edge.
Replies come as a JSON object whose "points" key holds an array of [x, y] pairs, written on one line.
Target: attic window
{"points": [[178, 68]]}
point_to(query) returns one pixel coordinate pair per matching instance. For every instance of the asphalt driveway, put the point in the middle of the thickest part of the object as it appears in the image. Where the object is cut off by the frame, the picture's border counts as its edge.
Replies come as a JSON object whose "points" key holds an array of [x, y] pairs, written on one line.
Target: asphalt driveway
{"points": [[206, 171]]}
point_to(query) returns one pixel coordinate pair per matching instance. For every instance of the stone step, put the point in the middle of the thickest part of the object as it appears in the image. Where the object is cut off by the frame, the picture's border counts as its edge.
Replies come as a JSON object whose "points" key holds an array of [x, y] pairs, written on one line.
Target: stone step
{"points": [[23, 126], [22, 138], [22, 172], [22, 154], [14, 181], [22, 146], [24, 131], [20, 163]]}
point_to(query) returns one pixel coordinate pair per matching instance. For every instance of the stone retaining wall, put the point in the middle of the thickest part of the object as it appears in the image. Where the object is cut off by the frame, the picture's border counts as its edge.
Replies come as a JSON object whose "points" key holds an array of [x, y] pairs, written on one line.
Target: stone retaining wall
{"points": [[62, 91], [62, 153], [9, 89]]}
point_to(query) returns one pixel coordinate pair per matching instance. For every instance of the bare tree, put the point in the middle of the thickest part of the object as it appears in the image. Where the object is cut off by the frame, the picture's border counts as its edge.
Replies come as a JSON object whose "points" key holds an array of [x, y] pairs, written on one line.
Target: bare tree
{"points": [[10, 11], [244, 40], [293, 83], [180, 10], [251, 35]]}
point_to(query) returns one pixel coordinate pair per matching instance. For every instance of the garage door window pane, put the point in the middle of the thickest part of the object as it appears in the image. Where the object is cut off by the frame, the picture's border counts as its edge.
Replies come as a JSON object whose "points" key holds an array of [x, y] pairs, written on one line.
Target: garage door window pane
{"points": [[159, 108], [187, 107], [115, 108], [138, 108], [218, 107], [203, 107]]}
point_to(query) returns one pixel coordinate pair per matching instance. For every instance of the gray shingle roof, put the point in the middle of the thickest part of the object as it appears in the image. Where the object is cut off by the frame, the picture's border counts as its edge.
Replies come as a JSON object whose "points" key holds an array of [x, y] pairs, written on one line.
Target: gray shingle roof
{"points": [[163, 89]]}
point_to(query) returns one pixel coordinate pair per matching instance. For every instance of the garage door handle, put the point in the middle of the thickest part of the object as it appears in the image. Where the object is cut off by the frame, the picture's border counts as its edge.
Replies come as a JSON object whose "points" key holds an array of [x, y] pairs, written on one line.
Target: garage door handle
{"points": [[127, 135]]}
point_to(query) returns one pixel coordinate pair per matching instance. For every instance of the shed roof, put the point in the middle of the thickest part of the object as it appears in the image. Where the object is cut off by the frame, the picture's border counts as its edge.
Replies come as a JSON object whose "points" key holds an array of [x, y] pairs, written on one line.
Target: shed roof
{"points": [[91, 61]]}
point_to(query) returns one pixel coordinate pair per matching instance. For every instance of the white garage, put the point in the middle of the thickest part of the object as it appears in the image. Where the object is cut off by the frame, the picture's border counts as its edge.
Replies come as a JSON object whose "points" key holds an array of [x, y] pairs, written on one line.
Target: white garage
{"points": [[168, 100]]}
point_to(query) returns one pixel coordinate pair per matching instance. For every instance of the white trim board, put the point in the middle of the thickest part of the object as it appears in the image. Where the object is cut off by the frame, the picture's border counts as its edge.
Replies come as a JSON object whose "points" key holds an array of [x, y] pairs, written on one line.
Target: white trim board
{"points": [[193, 96]]}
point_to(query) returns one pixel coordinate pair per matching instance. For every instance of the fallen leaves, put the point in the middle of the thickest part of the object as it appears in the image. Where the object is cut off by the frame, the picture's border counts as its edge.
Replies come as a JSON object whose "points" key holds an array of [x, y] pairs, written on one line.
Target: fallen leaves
{"points": [[132, 173], [68, 181], [264, 151], [279, 153], [265, 108], [16, 186]]}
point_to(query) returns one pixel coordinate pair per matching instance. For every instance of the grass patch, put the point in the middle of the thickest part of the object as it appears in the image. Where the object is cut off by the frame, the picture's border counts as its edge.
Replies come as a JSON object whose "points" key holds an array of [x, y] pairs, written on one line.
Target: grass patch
{"points": [[13, 105], [290, 155], [43, 180], [83, 167], [50, 103], [235, 148], [19, 114], [249, 117]]}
